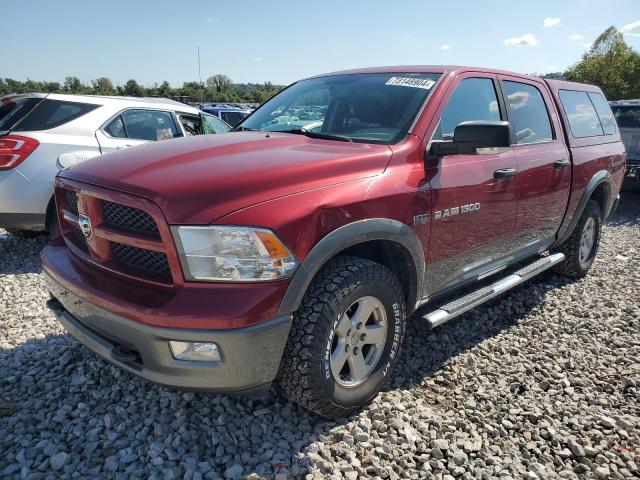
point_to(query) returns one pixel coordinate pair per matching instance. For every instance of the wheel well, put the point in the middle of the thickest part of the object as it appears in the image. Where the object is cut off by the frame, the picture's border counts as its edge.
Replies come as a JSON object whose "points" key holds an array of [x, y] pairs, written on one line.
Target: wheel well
{"points": [[393, 256], [601, 196]]}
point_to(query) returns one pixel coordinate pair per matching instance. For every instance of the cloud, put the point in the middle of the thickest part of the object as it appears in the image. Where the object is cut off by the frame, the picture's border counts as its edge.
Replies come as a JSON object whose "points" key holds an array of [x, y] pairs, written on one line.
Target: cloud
{"points": [[632, 29], [518, 99], [445, 47], [258, 59], [587, 45], [551, 22], [526, 40], [552, 68], [575, 37]]}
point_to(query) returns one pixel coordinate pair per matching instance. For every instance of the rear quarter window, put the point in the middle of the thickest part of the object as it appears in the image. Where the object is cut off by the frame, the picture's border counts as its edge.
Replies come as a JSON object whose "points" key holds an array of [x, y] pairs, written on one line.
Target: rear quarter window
{"points": [[51, 114], [582, 116], [604, 112]]}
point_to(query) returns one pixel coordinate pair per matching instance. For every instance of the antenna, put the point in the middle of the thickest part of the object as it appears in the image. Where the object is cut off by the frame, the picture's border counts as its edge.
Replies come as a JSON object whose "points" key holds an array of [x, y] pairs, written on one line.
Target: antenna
{"points": [[199, 74]]}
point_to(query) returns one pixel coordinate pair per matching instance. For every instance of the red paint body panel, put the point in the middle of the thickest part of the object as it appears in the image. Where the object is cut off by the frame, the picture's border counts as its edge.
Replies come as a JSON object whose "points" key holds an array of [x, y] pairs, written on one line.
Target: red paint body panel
{"points": [[196, 180], [194, 305], [305, 188]]}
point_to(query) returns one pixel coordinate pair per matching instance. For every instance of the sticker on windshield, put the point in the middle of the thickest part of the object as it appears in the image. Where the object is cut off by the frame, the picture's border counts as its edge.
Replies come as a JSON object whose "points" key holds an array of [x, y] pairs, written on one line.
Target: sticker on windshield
{"points": [[411, 82]]}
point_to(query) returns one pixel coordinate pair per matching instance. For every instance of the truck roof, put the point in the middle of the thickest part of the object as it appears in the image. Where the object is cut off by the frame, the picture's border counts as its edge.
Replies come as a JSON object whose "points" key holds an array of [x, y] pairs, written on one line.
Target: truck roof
{"points": [[453, 69]]}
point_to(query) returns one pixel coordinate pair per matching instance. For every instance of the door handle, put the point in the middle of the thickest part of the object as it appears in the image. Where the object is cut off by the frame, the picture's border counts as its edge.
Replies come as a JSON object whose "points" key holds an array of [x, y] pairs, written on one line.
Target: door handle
{"points": [[564, 163], [505, 173]]}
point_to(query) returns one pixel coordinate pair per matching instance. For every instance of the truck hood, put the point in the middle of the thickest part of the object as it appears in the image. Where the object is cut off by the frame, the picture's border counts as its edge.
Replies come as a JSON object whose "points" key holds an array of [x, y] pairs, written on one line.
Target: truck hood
{"points": [[197, 180]]}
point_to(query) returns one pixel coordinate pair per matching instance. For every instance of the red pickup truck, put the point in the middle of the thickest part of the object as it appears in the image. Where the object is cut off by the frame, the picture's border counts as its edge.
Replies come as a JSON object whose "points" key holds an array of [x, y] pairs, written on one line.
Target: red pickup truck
{"points": [[293, 249]]}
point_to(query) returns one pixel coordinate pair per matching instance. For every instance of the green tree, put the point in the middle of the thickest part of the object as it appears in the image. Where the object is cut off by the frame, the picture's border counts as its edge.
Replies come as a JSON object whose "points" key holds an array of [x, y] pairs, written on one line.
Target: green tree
{"points": [[73, 85], [611, 64], [165, 90], [133, 89], [219, 83], [103, 86], [52, 87]]}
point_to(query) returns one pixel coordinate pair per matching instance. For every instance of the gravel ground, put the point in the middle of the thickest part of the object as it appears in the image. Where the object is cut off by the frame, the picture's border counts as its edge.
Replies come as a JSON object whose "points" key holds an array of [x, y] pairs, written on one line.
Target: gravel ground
{"points": [[542, 383]]}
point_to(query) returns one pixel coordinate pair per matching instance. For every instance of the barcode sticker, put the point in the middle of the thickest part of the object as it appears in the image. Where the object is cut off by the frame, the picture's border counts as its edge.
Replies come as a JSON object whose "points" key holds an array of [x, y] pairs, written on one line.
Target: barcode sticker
{"points": [[424, 83]]}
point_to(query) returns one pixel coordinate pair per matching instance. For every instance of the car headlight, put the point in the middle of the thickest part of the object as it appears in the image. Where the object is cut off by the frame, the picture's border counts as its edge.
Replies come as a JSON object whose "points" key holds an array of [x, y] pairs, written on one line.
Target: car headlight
{"points": [[232, 254]]}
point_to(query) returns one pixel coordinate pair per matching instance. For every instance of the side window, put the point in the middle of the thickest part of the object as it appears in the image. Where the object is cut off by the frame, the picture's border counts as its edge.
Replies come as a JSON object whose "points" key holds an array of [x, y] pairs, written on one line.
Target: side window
{"points": [[191, 124], [116, 128], [152, 125], [527, 113], [604, 112], [214, 124], [53, 113], [582, 117], [473, 99]]}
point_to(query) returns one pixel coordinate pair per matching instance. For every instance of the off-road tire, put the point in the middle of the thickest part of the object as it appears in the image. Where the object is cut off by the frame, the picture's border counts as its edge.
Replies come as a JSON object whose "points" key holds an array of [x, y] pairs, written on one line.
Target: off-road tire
{"points": [[305, 376], [571, 266]]}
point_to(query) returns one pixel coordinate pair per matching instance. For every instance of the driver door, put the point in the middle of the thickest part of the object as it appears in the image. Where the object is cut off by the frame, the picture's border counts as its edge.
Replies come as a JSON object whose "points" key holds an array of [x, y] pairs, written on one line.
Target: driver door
{"points": [[473, 217]]}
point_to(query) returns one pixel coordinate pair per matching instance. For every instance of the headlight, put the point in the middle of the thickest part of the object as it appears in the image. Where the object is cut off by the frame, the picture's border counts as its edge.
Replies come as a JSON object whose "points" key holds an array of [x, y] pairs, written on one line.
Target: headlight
{"points": [[232, 254]]}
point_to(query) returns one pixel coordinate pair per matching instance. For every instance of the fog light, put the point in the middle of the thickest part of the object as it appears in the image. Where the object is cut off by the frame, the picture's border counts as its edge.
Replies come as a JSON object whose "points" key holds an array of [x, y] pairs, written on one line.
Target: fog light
{"points": [[195, 351]]}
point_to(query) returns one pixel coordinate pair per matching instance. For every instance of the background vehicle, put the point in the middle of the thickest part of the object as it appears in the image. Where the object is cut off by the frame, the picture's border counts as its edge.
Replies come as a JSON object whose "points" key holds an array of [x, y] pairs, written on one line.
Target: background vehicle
{"points": [[42, 133], [627, 115], [230, 114], [296, 255]]}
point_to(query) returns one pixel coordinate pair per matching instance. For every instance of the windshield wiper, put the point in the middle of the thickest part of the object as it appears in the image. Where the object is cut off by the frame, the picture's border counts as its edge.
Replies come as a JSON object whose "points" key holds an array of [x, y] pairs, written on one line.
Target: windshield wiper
{"points": [[240, 128], [323, 136]]}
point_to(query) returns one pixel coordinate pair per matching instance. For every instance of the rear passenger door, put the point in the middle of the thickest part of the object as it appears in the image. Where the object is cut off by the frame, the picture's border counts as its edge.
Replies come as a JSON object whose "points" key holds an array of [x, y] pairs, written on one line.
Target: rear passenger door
{"points": [[133, 127], [473, 212], [544, 165]]}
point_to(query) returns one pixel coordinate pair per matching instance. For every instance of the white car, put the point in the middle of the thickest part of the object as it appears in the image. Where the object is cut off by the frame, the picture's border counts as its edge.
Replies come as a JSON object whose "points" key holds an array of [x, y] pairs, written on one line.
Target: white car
{"points": [[41, 134]]}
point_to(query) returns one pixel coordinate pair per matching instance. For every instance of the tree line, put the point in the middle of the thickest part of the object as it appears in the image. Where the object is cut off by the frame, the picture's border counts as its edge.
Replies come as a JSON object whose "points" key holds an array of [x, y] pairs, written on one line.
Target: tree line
{"points": [[217, 88]]}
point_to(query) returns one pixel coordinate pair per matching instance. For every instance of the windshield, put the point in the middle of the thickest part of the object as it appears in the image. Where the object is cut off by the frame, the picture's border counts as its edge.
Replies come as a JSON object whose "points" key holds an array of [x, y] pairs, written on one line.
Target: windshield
{"points": [[370, 108]]}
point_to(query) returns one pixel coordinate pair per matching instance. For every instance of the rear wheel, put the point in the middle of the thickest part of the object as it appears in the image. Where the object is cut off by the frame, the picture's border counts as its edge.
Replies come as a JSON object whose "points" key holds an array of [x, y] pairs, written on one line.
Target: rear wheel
{"points": [[345, 338], [581, 247]]}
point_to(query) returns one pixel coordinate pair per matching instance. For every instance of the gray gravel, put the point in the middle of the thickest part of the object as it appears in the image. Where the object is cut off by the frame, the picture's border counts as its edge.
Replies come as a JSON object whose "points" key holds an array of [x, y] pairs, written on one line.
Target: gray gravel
{"points": [[542, 383]]}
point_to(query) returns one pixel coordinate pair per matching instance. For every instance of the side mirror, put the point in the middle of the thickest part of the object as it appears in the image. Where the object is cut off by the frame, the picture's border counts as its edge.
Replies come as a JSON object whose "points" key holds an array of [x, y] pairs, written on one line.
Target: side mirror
{"points": [[468, 137]]}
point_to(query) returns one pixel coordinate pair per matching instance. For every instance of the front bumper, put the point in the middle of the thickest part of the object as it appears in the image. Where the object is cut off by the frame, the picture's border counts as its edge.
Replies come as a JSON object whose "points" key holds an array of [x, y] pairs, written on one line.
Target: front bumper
{"points": [[249, 362]]}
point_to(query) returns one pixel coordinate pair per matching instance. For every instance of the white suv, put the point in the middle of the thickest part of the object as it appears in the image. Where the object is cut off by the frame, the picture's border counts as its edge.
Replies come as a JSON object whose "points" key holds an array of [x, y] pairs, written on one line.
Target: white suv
{"points": [[41, 134]]}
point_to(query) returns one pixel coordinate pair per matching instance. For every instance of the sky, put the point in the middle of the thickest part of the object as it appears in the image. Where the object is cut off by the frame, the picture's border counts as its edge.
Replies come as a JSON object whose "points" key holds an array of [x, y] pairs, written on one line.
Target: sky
{"points": [[282, 41]]}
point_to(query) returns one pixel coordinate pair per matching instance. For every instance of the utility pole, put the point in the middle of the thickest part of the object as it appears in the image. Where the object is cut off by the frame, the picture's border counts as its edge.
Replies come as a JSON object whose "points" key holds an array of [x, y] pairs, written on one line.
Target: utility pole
{"points": [[199, 74]]}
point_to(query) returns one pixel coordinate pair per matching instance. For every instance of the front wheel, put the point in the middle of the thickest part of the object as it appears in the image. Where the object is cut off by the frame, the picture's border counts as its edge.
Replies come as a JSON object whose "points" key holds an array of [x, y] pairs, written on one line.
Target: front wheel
{"points": [[581, 247], [345, 338]]}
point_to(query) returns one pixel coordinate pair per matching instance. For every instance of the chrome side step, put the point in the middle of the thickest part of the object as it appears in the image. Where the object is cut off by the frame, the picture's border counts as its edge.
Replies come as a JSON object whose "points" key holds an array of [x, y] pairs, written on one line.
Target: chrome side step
{"points": [[464, 304]]}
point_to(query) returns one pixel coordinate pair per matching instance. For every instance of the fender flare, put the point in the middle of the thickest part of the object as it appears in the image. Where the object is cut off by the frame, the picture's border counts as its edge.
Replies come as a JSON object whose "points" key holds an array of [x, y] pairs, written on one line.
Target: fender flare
{"points": [[347, 236], [602, 177]]}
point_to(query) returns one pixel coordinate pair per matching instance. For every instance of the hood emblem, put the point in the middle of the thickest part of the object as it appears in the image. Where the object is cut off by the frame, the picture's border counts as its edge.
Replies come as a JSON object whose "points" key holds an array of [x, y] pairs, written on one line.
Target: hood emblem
{"points": [[85, 226]]}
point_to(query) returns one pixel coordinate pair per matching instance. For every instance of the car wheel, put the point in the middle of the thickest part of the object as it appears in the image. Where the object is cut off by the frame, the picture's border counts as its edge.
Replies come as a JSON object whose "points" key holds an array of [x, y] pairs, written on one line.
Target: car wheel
{"points": [[581, 247], [345, 338]]}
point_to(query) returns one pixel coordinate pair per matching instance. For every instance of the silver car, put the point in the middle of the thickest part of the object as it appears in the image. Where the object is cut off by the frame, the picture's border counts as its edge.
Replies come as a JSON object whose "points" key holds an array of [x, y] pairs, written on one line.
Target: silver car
{"points": [[41, 134]]}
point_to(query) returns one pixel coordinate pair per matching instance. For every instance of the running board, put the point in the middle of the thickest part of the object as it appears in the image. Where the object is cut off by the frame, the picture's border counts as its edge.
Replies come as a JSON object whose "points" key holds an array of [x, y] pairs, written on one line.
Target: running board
{"points": [[464, 304]]}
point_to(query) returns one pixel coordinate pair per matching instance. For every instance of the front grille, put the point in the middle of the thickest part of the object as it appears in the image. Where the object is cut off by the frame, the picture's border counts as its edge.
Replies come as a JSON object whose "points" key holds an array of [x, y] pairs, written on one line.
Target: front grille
{"points": [[146, 261], [130, 223], [71, 198], [130, 219]]}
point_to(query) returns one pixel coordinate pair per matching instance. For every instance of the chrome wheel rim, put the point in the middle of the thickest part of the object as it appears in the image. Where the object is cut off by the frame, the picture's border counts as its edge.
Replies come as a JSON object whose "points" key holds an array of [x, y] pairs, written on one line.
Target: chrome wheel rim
{"points": [[359, 338], [587, 241]]}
